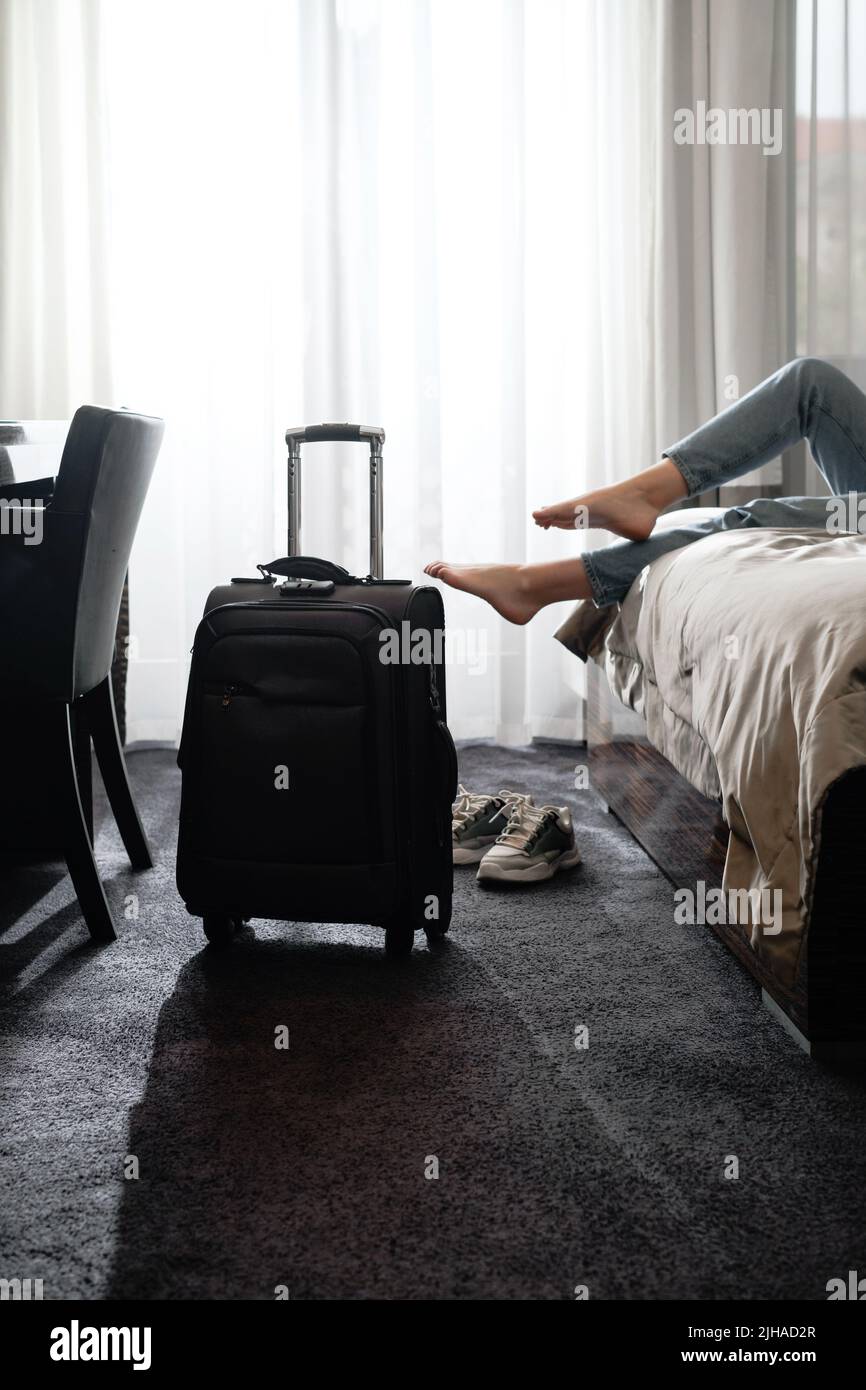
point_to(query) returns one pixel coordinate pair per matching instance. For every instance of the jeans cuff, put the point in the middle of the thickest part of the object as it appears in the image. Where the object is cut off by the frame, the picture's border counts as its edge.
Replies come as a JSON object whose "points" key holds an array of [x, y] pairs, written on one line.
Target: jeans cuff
{"points": [[691, 479], [596, 583]]}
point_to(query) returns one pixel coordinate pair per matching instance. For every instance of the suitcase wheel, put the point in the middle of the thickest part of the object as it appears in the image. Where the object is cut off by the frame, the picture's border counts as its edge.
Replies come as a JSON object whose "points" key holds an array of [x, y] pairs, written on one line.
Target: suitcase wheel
{"points": [[399, 939], [435, 931], [220, 929]]}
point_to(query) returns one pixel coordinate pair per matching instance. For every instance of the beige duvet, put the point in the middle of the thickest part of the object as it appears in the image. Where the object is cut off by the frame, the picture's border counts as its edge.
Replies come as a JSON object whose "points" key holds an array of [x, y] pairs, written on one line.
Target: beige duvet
{"points": [[746, 655]]}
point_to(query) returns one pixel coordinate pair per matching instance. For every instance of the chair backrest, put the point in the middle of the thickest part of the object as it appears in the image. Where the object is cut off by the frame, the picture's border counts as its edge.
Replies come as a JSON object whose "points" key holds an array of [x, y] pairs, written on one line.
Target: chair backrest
{"points": [[60, 591], [105, 471]]}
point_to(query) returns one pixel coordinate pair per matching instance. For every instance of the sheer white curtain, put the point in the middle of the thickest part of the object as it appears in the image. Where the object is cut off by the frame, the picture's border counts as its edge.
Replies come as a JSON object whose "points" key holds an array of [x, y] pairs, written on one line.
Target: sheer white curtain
{"points": [[446, 216], [393, 212], [723, 250], [420, 212], [55, 329], [831, 181]]}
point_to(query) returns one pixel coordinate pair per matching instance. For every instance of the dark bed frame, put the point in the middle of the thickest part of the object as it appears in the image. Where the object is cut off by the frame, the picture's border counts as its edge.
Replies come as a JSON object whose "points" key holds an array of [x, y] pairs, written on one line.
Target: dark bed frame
{"points": [[684, 833]]}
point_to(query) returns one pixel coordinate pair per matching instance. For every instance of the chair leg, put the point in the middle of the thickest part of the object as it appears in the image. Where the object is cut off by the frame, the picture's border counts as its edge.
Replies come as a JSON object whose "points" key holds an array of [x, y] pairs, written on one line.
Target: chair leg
{"points": [[78, 849], [83, 765], [102, 724]]}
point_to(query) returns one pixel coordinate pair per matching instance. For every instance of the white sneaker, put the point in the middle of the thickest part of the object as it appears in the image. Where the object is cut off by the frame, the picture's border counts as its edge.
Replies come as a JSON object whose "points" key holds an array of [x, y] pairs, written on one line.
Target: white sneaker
{"points": [[477, 819], [535, 844]]}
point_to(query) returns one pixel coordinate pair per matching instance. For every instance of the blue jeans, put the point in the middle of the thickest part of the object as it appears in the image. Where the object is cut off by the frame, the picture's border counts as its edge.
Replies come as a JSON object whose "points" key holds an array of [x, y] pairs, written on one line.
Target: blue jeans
{"points": [[807, 399]]}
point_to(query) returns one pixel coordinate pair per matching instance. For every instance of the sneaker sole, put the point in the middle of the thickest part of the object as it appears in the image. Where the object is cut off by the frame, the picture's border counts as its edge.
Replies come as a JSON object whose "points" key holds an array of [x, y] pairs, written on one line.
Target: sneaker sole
{"points": [[490, 871], [471, 856]]}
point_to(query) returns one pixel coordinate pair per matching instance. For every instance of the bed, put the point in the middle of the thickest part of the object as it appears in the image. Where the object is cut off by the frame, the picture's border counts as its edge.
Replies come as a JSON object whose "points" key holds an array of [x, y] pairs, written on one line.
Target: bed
{"points": [[727, 730]]}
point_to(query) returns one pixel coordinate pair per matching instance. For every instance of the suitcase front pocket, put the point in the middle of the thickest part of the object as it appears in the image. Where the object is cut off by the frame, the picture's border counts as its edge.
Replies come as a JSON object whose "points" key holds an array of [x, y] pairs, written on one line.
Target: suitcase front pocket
{"points": [[289, 764]]}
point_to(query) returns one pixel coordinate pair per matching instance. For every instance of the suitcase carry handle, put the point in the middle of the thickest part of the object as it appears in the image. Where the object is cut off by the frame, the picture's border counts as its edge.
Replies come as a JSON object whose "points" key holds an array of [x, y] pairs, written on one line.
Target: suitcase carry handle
{"points": [[306, 567], [334, 433]]}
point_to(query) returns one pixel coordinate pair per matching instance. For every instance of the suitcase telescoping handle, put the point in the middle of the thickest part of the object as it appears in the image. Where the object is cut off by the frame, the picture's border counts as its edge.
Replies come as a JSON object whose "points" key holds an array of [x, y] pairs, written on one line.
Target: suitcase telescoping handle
{"points": [[322, 434]]}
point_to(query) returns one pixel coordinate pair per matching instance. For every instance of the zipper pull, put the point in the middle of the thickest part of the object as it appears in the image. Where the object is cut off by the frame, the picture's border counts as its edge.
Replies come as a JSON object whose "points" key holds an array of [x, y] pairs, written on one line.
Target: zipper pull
{"points": [[228, 693]]}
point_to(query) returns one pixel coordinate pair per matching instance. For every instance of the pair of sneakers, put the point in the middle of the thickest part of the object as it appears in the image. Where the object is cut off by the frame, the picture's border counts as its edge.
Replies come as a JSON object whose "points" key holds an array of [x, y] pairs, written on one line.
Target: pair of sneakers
{"points": [[510, 838]]}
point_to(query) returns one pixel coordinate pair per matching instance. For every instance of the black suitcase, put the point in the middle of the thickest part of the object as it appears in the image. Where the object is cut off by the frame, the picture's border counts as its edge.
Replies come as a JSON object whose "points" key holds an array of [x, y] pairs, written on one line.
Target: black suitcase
{"points": [[318, 769]]}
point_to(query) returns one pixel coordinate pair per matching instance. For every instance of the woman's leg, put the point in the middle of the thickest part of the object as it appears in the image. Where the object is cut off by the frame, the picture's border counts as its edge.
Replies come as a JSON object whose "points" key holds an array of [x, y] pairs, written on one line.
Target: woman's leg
{"points": [[612, 570], [807, 399], [607, 574], [630, 508], [518, 591]]}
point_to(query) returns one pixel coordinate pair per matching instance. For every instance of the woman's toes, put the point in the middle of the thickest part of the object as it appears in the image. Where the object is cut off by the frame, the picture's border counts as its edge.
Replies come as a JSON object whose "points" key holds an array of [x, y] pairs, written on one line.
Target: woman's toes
{"points": [[563, 517], [457, 576]]}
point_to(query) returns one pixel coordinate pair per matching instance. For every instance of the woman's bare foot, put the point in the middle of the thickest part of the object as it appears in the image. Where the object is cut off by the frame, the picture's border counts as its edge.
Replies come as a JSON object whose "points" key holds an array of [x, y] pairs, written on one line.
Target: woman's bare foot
{"points": [[517, 591], [629, 509], [623, 509], [503, 586]]}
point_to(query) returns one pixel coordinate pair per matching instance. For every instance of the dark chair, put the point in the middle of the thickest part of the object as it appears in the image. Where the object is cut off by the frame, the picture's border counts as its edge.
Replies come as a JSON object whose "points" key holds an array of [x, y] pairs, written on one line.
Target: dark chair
{"points": [[59, 601]]}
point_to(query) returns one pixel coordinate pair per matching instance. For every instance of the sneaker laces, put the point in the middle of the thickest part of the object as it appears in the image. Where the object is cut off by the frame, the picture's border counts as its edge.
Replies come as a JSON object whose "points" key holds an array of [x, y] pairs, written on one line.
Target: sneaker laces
{"points": [[468, 806], [525, 822]]}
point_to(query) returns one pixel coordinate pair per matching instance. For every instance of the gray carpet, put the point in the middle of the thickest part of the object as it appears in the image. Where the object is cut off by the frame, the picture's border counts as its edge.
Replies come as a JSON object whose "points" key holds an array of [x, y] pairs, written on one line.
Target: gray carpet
{"points": [[305, 1167]]}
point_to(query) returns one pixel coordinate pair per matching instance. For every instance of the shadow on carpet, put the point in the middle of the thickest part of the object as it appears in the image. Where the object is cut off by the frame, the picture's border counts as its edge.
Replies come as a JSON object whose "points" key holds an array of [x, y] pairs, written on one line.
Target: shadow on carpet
{"points": [[430, 1130]]}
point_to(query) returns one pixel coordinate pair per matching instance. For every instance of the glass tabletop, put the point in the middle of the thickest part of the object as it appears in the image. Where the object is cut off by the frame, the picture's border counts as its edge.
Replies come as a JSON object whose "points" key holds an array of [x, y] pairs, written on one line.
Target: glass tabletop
{"points": [[32, 448]]}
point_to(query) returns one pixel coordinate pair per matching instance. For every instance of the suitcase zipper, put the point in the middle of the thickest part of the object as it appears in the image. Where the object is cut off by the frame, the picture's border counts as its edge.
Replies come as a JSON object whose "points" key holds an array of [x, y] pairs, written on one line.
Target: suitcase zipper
{"points": [[227, 693]]}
